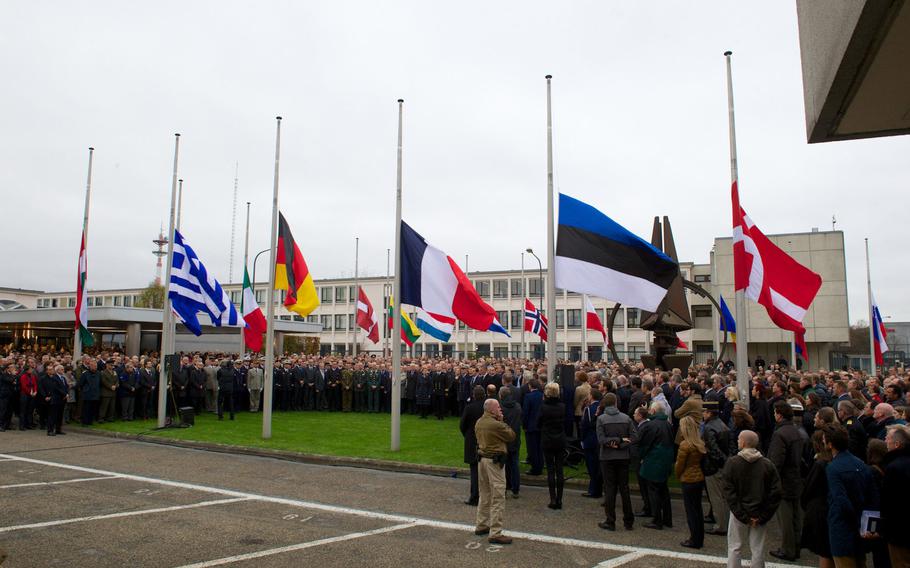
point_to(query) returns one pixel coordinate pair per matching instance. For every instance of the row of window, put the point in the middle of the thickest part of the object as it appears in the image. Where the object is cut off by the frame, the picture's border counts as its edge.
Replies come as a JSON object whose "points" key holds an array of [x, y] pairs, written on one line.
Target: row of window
{"points": [[127, 301]]}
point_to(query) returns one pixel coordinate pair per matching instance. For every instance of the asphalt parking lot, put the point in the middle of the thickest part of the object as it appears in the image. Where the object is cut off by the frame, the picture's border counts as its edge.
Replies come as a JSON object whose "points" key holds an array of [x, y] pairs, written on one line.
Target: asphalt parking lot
{"points": [[82, 500]]}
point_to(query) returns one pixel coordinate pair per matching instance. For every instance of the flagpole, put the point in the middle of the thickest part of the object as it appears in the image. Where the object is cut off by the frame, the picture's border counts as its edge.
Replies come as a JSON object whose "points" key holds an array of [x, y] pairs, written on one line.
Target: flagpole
{"points": [[77, 337], [356, 290], [246, 253], [465, 325], [584, 327], [167, 317], [551, 250], [742, 343], [270, 298], [388, 289], [396, 309], [179, 201], [522, 307], [873, 366]]}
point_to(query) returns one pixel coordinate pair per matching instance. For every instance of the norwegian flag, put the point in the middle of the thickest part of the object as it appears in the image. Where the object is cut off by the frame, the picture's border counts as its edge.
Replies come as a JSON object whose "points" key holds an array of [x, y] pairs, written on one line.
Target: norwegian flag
{"points": [[535, 321], [366, 318], [770, 276], [593, 322]]}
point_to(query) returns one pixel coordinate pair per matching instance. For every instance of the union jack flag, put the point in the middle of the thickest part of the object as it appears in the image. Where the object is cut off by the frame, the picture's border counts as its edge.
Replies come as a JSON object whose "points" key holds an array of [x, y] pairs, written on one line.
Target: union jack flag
{"points": [[535, 321]]}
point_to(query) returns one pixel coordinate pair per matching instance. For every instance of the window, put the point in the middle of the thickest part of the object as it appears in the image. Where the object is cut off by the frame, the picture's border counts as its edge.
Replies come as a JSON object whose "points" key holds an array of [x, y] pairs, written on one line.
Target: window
{"points": [[54, 303], [42, 302], [118, 300], [351, 321], [71, 302], [326, 295], [635, 351], [326, 323], [701, 311], [312, 319], [352, 293], [517, 289], [431, 349], [702, 277], [340, 293], [620, 321], [483, 288], [517, 319], [633, 315], [500, 288], [285, 318], [503, 317], [574, 317], [535, 287], [341, 321], [560, 319], [298, 318], [135, 299], [128, 301], [600, 315], [260, 296], [500, 351], [235, 296], [108, 300]]}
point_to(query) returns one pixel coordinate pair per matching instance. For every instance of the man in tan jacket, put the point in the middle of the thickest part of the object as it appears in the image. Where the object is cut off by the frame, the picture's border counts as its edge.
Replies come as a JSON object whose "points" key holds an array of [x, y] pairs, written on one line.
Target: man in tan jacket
{"points": [[492, 436], [582, 390]]}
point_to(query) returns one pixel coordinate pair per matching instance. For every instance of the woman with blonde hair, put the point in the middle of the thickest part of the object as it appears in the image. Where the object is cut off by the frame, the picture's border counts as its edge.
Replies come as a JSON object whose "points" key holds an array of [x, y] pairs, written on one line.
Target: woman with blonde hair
{"points": [[688, 470], [551, 423]]}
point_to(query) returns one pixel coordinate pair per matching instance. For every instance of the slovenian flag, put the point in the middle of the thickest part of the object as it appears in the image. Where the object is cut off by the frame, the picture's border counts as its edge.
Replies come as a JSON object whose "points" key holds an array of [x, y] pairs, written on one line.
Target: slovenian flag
{"points": [[879, 334], [597, 256], [434, 325], [431, 280]]}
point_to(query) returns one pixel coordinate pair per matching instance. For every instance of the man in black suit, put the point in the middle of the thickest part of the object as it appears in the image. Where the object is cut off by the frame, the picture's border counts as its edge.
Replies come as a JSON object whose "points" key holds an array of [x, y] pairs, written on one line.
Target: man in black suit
{"points": [[472, 413], [55, 390]]}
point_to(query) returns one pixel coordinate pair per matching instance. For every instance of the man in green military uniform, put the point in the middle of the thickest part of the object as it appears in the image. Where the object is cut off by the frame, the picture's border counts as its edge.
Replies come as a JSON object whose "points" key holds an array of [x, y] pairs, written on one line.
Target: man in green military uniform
{"points": [[373, 388], [492, 436], [360, 388], [347, 383], [109, 383]]}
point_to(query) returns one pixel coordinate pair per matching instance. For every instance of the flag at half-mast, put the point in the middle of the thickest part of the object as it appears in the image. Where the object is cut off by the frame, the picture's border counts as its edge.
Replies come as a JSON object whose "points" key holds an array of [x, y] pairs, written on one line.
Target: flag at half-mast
{"points": [[292, 274], [726, 320], [366, 317], [592, 321], [771, 277], [879, 334], [409, 331], [535, 321], [252, 315], [82, 298]]}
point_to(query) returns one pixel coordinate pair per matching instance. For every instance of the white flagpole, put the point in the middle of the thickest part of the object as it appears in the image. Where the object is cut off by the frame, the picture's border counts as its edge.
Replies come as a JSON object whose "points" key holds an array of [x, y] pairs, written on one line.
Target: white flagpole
{"points": [[179, 201], [167, 317], [873, 366], [396, 311], [356, 290], [77, 337], [584, 327], [743, 379], [246, 254], [551, 246], [270, 299], [462, 323], [388, 290], [521, 320]]}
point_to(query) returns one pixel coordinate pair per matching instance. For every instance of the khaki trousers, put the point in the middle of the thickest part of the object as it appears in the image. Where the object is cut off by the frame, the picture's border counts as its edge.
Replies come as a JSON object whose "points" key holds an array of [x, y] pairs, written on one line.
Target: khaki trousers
{"points": [[490, 508], [254, 399], [718, 503]]}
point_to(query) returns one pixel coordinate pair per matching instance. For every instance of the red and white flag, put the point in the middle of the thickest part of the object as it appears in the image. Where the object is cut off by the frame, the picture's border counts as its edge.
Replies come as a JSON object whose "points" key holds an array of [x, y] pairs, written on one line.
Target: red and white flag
{"points": [[535, 321], [82, 298], [770, 276], [591, 320], [252, 315], [366, 318]]}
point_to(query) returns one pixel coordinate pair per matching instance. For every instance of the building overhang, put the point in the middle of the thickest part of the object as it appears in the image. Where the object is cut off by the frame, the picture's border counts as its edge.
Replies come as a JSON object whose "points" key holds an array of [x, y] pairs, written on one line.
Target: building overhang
{"points": [[856, 68]]}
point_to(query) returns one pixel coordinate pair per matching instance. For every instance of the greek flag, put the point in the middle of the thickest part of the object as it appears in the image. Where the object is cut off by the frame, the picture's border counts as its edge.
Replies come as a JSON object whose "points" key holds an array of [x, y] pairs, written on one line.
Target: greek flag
{"points": [[192, 290]]}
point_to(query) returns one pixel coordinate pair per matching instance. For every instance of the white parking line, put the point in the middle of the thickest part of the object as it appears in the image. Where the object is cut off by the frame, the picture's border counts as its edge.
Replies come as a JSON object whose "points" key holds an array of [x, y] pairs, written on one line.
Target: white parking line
{"points": [[301, 546], [396, 518], [620, 560], [123, 514], [40, 483]]}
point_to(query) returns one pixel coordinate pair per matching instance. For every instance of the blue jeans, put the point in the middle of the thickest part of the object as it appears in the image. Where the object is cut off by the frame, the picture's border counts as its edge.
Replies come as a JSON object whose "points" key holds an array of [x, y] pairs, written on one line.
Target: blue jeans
{"points": [[592, 462], [513, 474]]}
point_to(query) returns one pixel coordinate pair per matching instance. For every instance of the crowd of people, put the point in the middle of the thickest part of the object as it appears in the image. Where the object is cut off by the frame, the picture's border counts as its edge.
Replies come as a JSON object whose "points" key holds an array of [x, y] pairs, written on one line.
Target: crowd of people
{"points": [[818, 451]]}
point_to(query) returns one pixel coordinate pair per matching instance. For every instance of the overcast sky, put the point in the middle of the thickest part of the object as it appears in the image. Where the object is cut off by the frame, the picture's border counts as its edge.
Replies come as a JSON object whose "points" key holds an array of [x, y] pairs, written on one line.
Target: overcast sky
{"points": [[640, 129]]}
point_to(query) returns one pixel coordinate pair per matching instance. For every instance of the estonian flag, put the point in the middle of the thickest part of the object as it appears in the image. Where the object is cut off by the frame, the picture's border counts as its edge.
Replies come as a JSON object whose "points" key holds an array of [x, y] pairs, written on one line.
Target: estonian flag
{"points": [[597, 256]]}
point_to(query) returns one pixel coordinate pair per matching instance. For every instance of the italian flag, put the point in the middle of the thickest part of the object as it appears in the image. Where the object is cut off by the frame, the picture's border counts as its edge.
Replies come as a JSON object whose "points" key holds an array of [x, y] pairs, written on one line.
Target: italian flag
{"points": [[252, 315], [82, 299]]}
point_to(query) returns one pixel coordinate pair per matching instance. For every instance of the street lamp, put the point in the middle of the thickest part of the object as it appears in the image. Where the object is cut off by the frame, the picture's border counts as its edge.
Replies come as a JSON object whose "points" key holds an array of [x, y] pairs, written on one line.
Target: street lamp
{"points": [[540, 287], [253, 283]]}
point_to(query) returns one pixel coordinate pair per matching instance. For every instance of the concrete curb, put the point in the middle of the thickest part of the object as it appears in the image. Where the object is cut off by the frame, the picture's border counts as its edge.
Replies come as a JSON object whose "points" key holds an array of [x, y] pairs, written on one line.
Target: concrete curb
{"points": [[319, 459]]}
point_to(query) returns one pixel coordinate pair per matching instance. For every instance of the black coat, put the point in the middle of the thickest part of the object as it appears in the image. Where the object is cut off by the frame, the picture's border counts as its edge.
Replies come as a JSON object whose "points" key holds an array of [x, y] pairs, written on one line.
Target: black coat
{"points": [[226, 379], [786, 453], [552, 425], [55, 387], [895, 498], [472, 413], [815, 511], [511, 415]]}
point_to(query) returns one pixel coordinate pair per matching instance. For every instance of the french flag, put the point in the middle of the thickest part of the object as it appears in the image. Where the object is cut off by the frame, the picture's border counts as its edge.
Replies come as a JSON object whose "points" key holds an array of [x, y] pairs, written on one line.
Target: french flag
{"points": [[431, 280], [879, 335]]}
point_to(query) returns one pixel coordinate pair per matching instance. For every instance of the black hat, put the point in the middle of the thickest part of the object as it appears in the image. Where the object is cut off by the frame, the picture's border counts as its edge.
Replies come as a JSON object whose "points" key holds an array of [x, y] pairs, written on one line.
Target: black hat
{"points": [[711, 405]]}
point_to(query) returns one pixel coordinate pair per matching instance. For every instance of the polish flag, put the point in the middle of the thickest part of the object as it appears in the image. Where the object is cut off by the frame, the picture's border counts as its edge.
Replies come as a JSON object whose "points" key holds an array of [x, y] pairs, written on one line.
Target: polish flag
{"points": [[771, 277], [591, 320]]}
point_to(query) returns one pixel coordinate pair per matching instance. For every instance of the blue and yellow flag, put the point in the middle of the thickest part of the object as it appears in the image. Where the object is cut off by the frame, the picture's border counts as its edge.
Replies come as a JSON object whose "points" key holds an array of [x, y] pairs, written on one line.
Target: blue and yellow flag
{"points": [[727, 319]]}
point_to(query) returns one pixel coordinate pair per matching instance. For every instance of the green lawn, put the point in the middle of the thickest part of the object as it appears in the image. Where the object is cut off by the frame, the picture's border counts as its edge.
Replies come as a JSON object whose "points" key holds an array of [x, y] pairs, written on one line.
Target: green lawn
{"points": [[430, 441]]}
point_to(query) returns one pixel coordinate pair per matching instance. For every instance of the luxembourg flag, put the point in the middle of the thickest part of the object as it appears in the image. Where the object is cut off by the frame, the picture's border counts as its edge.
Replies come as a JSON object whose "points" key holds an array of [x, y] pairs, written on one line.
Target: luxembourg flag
{"points": [[431, 280], [879, 334]]}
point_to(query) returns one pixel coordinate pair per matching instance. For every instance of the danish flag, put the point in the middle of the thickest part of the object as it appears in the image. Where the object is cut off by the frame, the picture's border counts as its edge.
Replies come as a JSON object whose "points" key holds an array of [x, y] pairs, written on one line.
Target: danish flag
{"points": [[535, 321]]}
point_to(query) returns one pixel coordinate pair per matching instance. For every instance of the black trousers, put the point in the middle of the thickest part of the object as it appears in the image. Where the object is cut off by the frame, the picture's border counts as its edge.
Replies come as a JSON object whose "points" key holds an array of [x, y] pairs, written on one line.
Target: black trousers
{"points": [[555, 460], [595, 474], [6, 410], [89, 411], [475, 487], [26, 411], [54, 418], [659, 495], [694, 515], [616, 478], [225, 397]]}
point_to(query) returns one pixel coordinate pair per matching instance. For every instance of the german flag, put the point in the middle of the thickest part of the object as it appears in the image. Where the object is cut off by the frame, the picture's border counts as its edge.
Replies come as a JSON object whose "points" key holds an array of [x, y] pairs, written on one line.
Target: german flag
{"points": [[292, 274]]}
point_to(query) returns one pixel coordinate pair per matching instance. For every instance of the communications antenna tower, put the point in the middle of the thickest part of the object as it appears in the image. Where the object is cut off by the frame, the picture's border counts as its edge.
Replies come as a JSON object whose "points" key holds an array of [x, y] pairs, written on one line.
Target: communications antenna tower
{"points": [[161, 241], [233, 224]]}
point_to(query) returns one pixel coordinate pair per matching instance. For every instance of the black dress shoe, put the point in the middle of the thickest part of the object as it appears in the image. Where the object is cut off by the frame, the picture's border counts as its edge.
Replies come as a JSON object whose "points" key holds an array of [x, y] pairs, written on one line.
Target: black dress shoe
{"points": [[553, 505], [481, 532], [716, 532], [654, 526], [471, 502], [780, 554], [606, 526], [586, 494], [689, 544]]}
